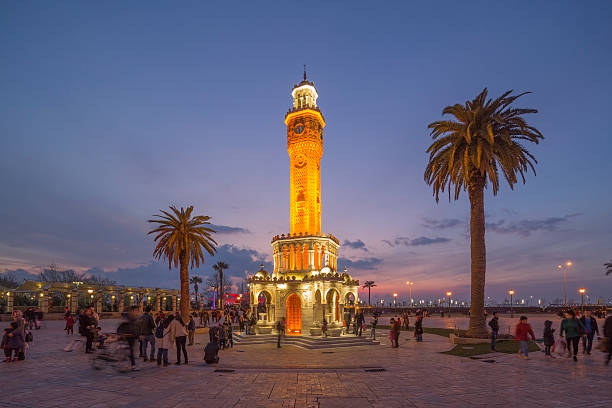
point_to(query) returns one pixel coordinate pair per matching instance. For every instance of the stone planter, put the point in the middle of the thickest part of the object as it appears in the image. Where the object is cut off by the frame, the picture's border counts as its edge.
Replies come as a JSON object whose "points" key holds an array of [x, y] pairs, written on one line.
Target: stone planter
{"points": [[467, 340], [316, 331], [263, 329], [334, 332]]}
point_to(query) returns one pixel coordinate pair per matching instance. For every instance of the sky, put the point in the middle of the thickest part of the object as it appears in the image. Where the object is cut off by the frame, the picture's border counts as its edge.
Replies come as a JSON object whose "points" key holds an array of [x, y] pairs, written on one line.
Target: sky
{"points": [[111, 111]]}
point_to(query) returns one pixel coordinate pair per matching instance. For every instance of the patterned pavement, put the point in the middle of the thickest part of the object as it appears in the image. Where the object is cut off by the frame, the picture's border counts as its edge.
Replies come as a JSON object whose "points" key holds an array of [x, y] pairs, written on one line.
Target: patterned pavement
{"points": [[415, 375]]}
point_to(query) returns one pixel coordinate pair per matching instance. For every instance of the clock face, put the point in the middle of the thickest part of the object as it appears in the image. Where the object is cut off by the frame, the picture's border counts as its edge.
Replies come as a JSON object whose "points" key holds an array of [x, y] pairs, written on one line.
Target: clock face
{"points": [[298, 129]]}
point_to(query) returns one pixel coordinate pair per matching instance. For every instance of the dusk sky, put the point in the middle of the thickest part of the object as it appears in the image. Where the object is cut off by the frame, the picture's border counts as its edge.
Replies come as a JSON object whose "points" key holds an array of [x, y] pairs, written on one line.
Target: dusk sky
{"points": [[111, 111]]}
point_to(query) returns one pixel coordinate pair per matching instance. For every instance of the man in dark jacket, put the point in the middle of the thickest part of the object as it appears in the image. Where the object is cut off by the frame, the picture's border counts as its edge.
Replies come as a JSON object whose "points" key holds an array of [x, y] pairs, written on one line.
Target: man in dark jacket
{"points": [[147, 336], [494, 325], [590, 325], [129, 331], [87, 328]]}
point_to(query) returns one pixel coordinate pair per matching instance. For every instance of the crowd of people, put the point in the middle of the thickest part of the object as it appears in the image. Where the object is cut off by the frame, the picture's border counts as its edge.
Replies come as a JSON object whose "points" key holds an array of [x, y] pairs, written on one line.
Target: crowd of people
{"points": [[574, 328]]}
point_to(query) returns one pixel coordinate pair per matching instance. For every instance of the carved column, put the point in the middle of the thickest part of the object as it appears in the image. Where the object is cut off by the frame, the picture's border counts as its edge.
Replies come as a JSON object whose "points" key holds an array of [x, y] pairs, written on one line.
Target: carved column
{"points": [[74, 301], [10, 296], [310, 258], [121, 306], [43, 301], [174, 301], [99, 295], [157, 302]]}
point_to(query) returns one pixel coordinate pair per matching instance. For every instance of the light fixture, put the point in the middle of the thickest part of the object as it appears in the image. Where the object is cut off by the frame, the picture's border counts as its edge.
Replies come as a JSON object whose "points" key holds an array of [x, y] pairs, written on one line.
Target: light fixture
{"points": [[582, 290], [89, 290]]}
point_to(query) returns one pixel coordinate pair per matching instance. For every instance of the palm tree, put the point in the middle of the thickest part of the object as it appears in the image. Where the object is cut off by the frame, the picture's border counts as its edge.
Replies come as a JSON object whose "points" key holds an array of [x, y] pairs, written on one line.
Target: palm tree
{"points": [[369, 285], [194, 281], [609, 267], [484, 139], [182, 239], [219, 267]]}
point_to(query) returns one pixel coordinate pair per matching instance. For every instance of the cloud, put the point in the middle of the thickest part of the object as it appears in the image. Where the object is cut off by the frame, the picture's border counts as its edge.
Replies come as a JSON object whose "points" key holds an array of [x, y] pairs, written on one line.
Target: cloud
{"points": [[357, 244], [524, 228], [420, 241], [364, 263], [441, 224], [224, 229]]}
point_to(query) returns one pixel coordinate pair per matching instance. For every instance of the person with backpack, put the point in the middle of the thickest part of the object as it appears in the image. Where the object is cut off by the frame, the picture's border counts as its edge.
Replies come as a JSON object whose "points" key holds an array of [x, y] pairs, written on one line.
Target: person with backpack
{"points": [[162, 335], [549, 338], [147, 336]]}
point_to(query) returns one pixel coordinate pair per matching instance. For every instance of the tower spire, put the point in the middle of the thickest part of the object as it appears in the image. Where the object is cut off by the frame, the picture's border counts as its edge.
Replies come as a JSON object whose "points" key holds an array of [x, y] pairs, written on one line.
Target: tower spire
{"points": [[304, 72]]}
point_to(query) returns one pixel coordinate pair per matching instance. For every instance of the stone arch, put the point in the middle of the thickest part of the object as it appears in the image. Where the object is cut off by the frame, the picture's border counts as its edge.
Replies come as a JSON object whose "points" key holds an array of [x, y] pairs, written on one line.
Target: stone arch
{"points": [[350, 298], [332, 307], [293, 307], [265, 306]]}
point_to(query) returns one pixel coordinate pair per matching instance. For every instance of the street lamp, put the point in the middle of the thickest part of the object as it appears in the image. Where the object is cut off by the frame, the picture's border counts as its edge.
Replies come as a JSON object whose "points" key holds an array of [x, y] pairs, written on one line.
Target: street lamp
{"points": [[511, 293], [582, 290], [449, 294], [394, 299], [409, 283], [564, 267]]}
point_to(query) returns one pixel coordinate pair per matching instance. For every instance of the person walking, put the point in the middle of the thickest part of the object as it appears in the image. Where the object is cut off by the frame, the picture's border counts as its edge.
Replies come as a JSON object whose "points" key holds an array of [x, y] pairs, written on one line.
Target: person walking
{"points": [[191, 328], [418, 329], [573, 329], [395, 329], [359, 319], [87, 328], [324, 327], [374, 324], [129, 331], [590, 326], [347, 320], [494, 325], [549, 338], [280, 329], [521, 333], [147, 334], [178, 335]]}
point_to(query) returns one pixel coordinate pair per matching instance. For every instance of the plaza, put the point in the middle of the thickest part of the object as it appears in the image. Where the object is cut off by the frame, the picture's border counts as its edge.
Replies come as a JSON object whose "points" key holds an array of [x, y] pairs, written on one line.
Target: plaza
{"points": [[413, 375]]}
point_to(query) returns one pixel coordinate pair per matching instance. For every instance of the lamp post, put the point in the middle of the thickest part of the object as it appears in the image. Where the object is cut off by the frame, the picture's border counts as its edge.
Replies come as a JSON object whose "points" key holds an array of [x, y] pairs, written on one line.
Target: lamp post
{"points": [[409, 283], [395, 300], [449, 294], [511, 293], [564, 267], [582, 290]]}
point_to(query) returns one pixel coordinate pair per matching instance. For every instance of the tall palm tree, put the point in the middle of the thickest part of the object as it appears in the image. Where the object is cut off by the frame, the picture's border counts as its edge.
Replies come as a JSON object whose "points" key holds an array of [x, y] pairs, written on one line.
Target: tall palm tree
{"points": [[219, 267], [369, 285], [182, 239], [483, 139], [609, 268], [194, 281]]}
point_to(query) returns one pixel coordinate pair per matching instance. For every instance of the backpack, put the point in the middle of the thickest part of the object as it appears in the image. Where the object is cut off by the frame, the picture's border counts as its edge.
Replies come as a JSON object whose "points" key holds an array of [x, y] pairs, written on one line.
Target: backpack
{"points": [[159, 331]]}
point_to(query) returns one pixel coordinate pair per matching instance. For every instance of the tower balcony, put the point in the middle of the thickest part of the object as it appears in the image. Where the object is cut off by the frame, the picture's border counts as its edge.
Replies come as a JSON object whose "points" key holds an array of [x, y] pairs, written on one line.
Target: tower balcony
{"points": [[302, 253]]}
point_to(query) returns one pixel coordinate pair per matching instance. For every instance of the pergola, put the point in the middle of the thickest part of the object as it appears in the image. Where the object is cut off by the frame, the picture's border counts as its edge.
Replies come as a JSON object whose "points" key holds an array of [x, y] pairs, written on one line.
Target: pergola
{"points": [[115, 298]]}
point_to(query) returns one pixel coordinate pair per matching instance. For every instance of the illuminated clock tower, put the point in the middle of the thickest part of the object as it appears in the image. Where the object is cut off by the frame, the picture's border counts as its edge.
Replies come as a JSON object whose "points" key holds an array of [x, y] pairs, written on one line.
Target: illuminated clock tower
{"points": [[305, 147], [305, 286]]}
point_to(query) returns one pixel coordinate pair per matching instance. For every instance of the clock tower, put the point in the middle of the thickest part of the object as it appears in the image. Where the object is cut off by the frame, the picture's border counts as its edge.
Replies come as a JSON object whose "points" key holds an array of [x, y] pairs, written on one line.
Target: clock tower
{"points": [[305, 125]]}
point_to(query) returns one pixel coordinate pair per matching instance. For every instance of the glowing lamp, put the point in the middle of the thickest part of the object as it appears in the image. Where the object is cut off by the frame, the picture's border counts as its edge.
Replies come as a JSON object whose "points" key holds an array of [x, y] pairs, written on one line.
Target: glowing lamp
{"points": [[89, 290], [569, 263], [449, 293], [582, 290]]}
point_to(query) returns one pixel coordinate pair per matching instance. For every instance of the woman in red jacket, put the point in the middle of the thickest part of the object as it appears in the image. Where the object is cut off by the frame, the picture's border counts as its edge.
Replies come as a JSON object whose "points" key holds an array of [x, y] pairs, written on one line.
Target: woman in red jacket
{"points": [[523, 330]]}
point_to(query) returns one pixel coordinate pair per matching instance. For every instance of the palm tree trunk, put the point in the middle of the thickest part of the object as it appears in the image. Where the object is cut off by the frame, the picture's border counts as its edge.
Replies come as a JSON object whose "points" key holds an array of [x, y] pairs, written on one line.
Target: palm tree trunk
{"points": [[185, 299], [369, 304], [479, 259]]}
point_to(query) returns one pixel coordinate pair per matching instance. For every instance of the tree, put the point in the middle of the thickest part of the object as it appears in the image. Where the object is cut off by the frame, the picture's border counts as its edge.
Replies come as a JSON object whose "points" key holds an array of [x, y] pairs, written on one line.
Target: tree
{"points": [[194, 281], [8, 281], [369, 285], [182, 240], [609, 268], [219, 267], [484, 139]]}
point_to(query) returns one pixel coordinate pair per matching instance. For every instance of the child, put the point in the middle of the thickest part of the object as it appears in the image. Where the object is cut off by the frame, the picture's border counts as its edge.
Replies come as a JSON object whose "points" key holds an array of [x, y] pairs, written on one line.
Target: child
{"points": [[100, 337], [418, 329], [549, 338], [69, 325], [523, 330]]}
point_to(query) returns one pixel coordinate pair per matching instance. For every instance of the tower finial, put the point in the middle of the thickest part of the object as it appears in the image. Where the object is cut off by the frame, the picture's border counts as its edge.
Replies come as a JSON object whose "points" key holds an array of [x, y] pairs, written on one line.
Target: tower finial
{"points": [[304, 72]]}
